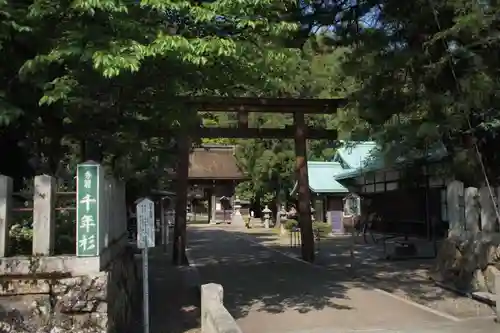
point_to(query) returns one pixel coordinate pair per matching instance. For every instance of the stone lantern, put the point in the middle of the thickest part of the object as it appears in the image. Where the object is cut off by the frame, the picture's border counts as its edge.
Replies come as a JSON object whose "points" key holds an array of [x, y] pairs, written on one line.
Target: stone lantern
{"points": [[312, 214], [237, 219], [267, 216], [283, 213], [283, 217]]}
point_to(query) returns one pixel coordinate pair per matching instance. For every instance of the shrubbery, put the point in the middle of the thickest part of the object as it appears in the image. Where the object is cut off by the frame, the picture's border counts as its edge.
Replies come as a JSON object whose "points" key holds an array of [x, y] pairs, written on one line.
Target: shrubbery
{"points": [[323, 227]]}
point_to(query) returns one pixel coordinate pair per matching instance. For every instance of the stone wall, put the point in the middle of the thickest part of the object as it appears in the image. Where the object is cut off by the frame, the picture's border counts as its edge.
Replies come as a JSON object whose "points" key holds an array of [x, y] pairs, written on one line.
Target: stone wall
{"points": [[60, 301], [469, 258], [470, 262]]}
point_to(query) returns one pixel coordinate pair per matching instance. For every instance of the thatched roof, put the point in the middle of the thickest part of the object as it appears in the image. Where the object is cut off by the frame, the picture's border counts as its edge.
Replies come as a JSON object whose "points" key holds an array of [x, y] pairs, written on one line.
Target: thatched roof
{"points": [[214, 162]]}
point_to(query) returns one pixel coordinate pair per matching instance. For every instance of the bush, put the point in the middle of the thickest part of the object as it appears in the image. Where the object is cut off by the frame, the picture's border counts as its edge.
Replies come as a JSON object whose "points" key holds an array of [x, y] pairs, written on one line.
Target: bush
{"points": [[323, 227], [290, 224]]}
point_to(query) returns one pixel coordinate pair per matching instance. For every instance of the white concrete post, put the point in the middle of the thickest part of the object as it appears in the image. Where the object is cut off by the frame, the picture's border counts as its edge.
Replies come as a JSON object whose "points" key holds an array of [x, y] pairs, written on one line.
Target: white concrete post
{"points": [[471, 210], [5, 212], [210, 292], [488, 210], [44, 199], [454, 191]]}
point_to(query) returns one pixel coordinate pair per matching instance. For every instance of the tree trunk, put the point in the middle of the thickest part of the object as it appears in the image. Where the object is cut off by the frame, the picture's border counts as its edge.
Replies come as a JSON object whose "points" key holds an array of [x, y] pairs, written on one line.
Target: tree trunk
{"points": [[180, 241]]}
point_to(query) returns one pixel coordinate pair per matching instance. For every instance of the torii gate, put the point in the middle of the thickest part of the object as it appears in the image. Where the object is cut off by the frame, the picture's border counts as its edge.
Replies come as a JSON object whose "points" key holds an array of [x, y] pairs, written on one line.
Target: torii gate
{"points": [[243, 106]]}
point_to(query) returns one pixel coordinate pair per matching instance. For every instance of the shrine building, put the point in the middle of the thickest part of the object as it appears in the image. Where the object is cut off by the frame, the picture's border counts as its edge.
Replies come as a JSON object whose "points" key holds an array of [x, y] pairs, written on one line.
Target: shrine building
{"points": [[213, 176]]}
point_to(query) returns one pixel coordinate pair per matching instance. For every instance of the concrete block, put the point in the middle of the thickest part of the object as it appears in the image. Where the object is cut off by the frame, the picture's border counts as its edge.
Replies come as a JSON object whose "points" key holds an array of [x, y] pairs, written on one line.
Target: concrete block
{"points": [[44, 198]]}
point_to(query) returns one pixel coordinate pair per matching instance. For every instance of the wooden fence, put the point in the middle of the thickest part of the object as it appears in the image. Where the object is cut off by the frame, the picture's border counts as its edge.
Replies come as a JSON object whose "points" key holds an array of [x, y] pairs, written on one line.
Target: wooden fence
{"points": [[110, 222]]}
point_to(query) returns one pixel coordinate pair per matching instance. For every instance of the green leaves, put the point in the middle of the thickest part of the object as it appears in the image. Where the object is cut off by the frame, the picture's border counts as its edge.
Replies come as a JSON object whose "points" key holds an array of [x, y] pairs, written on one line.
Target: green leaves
{"points": [[101, 74], [120, 56], [426, 72], [8, 112]]}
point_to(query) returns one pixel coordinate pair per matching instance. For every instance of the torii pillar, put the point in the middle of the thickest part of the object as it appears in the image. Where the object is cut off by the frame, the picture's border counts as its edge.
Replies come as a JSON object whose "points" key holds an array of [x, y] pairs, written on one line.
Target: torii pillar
{"points": [[304, 195]]}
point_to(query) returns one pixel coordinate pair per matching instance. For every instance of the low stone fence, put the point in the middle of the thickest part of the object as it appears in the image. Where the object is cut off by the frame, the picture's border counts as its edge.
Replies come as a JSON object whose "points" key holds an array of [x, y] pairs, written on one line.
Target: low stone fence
{"points": [[214, 316], [96, 290], [67, 294]]}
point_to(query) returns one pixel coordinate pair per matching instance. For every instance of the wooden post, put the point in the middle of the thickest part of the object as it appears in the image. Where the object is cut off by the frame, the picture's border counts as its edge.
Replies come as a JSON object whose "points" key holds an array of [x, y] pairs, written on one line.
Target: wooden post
{"points": [[304, 196], [209, 197], [243, 120], [5, 213], [213, 207], [179, 244], [44, 199]]}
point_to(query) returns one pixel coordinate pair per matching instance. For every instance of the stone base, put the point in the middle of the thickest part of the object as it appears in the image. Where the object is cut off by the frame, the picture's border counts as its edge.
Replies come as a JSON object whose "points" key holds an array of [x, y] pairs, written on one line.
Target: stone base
{"points": [[469, 262], [237, 220], [102, 302]]}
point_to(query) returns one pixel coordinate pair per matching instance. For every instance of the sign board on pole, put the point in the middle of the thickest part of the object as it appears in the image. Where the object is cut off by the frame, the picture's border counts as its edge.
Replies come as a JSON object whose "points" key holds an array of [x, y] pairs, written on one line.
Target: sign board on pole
{"points": [[145, 240], [145, 223]]}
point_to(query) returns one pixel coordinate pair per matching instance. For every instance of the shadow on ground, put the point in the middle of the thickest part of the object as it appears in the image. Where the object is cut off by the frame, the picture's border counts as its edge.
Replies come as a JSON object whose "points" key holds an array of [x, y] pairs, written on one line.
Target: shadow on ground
{"points": [[408, 279], [174, 305], [256, 278]]}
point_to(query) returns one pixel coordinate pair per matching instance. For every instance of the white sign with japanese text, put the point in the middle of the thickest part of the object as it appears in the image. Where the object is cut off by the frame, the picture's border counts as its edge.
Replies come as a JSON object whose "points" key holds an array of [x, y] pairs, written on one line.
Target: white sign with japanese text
{"points": [[145, 223]]}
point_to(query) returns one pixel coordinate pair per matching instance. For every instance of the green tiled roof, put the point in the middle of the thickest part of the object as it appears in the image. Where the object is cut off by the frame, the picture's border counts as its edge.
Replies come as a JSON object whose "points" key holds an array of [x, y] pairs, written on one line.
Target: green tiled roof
{"points": [[375, 161], [354, 154], [322, 177]]}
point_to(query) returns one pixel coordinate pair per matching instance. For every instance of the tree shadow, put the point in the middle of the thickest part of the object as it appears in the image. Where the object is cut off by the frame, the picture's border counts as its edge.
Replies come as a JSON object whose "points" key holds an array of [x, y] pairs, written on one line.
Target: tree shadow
{"points": [[174, 305], [256, 279], [406, 278]]}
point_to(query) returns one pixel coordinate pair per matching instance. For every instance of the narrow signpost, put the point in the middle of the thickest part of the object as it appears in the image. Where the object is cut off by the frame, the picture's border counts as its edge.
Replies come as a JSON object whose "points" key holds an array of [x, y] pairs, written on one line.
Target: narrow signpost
{"points": [[145, 239]]}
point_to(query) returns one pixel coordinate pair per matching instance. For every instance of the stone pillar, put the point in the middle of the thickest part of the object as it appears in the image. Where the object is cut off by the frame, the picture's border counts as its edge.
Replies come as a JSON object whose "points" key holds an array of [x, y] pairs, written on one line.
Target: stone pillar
{"points": [[454, 192], [488, 209], [5, 213], [44, 198], [210, 292], [471, 210]]}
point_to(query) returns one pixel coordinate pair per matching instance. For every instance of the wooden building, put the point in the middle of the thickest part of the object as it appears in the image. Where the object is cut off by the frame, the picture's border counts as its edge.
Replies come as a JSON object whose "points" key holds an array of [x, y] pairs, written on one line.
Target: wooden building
{"points": [[409, 196], [213, 176], [327, 193]]}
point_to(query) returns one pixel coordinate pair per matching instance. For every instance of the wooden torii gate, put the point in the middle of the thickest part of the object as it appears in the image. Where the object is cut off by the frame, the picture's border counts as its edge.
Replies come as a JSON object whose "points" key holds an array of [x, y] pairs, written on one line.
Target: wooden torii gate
{"points": [[243, 106]]}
